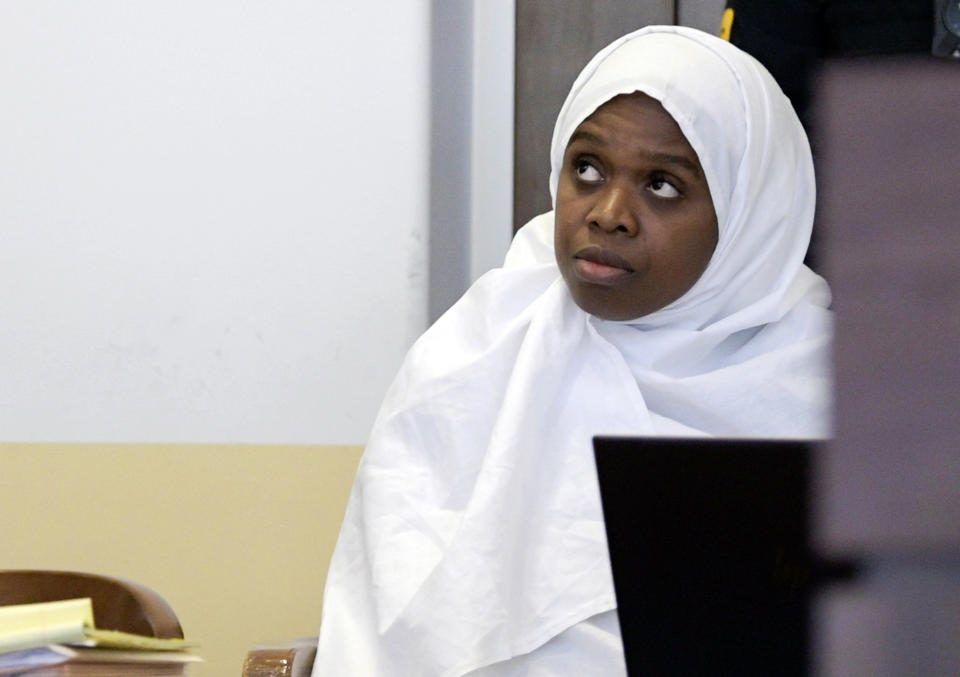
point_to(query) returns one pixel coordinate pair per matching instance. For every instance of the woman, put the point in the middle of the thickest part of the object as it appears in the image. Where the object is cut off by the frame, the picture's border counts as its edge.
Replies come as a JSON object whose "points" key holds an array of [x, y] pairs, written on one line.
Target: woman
{"points": [[666, 295]]}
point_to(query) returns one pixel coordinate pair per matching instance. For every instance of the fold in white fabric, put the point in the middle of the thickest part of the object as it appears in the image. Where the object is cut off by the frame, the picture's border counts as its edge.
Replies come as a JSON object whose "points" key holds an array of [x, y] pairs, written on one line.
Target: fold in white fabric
{"points": [[591, 648], [474, 532]]}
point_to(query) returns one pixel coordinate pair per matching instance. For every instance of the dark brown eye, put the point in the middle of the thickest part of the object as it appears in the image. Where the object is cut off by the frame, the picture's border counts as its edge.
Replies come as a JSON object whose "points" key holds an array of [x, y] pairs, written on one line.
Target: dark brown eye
{"points": [[587, 173], [663, 189]]}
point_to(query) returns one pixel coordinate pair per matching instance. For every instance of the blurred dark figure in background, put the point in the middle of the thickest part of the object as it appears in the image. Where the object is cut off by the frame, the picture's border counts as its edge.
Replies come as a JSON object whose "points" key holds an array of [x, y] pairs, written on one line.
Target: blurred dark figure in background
{"points": [[790, 37]]}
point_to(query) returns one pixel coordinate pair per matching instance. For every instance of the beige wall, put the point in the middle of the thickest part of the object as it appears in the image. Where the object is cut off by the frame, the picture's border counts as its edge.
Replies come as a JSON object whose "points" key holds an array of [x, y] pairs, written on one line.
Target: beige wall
{"points": [[237, 538]]}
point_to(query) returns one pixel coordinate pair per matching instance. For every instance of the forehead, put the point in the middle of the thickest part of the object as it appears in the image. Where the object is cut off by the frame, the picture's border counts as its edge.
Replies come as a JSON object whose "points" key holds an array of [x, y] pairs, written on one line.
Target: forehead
{"points": [[637, 123], [635, 113]]}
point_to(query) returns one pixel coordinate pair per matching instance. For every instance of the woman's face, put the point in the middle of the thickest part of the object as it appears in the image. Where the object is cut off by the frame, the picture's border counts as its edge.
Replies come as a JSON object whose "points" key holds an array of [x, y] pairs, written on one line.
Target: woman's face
{"points": [[635, 224]]}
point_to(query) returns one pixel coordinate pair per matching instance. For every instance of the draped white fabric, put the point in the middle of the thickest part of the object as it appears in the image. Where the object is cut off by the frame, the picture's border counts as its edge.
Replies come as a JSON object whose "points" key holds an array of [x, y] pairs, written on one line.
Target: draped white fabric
{"points": [[474, 532]]}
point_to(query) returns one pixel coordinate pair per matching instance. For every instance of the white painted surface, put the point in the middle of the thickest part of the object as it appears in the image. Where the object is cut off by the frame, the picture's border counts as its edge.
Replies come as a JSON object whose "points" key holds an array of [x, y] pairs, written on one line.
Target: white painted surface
{"points": [[212, 216]]}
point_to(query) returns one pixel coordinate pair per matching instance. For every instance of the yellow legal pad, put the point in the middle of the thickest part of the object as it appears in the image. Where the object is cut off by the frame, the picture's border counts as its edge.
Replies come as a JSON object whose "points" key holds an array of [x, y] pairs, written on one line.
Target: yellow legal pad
{"points": [[25, 626]]}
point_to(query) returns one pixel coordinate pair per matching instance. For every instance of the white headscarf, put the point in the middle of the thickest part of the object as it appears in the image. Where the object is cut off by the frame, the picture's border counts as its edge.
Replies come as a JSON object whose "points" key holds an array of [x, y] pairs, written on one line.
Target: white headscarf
{"points": [[474, 531]]}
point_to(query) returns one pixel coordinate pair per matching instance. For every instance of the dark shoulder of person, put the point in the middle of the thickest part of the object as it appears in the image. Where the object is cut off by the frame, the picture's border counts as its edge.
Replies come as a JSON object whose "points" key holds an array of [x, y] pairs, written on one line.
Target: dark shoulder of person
{"points": [[791, 36]]}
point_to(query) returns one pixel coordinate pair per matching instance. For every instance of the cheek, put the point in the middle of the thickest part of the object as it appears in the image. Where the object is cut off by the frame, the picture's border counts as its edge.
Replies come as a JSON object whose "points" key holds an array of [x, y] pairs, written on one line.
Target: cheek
{"points": [[709, 241], [564, 219], [697, 249], [682, 246]]}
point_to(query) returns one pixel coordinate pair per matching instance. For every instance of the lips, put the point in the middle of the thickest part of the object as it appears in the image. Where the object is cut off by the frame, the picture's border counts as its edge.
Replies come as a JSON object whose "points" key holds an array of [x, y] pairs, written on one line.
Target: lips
{"points": [[600, 266]]}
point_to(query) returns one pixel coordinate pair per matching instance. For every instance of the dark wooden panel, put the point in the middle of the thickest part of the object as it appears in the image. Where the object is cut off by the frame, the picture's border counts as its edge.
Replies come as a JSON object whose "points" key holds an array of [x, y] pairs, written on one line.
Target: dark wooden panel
{"points": [[555, 39]]}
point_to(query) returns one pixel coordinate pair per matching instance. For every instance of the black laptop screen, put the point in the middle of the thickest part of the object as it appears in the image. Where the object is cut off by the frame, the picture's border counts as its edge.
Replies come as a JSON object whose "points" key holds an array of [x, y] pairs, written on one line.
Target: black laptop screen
{"points": [[708, 542]]}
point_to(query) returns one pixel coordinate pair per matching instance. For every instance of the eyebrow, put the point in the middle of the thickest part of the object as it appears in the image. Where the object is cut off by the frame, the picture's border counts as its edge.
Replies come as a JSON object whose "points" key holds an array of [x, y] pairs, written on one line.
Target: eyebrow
{"points": [[664, 158]]}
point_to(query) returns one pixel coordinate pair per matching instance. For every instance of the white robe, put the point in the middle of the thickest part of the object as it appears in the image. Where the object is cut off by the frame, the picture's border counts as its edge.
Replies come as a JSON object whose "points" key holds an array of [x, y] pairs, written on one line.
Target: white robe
{"points": [[473, 541]]}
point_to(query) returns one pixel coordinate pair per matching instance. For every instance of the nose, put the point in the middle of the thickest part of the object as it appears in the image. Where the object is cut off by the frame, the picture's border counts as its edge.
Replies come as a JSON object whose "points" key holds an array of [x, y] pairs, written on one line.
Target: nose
{"points": [[613, 211]]}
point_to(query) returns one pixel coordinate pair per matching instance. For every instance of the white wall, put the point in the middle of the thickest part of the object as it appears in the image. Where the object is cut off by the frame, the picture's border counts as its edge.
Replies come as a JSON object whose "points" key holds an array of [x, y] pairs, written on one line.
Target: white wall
{"points": [[213, 216]]}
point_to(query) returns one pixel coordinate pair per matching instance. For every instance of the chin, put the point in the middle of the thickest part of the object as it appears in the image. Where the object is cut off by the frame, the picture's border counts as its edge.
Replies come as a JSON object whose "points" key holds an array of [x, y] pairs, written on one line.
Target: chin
{"points": [[604, 309]]}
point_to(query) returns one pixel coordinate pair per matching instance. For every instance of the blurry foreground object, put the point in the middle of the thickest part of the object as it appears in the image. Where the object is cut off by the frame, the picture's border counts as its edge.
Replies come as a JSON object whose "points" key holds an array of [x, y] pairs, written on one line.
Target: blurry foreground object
{"points": [[889, 485]]}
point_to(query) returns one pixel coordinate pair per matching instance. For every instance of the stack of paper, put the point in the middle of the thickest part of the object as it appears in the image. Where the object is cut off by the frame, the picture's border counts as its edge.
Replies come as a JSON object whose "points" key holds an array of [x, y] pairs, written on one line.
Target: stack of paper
{"points": [[32, 639]]}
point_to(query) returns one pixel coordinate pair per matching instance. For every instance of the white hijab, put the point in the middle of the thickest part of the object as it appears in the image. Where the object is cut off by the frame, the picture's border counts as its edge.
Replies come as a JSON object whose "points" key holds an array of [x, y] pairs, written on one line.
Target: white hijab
{"points": [[474, 531]]}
